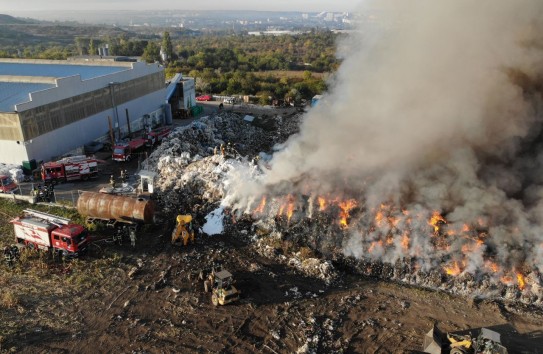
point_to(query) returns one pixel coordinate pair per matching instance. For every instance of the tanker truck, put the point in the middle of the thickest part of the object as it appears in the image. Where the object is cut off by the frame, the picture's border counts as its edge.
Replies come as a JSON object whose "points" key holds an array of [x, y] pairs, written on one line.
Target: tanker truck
{"points": [[124, 214]]}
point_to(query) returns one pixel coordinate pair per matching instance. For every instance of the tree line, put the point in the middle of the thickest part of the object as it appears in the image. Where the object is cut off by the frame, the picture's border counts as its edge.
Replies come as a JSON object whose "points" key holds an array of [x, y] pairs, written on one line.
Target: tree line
{"points": [[221, 63]]}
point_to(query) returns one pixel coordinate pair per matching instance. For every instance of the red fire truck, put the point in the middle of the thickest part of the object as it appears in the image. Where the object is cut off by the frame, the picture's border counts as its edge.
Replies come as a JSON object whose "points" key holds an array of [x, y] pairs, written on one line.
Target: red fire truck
{"points": [[70, 169], [124, 151], [155, 136], [38, 230], [7, 184]]}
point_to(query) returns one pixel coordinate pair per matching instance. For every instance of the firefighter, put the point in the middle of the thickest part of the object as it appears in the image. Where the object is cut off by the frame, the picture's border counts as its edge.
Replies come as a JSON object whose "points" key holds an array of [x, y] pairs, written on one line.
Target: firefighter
{"points": [[10, 254], [132, 237], [112, 181], [123, 176], [222, 150], [229, 149]]}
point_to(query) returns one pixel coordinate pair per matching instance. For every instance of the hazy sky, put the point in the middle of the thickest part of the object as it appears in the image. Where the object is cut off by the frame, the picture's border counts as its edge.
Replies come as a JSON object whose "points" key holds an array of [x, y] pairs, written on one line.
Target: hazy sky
{"points": [[7, 6]]}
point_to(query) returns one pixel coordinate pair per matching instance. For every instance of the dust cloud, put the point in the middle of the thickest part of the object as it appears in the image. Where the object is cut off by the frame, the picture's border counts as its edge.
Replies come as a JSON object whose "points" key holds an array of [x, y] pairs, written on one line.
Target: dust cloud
{"points": [[436, 107]]}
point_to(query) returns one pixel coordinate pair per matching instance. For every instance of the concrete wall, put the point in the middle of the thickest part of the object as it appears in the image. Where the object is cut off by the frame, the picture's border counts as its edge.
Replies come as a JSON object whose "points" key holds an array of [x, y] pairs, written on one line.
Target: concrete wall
{"points": [[10, 127], [12, 152]]}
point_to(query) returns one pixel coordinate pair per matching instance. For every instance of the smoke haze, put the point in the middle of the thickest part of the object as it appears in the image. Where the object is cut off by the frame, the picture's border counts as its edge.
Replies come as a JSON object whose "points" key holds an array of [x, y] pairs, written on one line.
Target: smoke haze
{"points": [[436, 107]]}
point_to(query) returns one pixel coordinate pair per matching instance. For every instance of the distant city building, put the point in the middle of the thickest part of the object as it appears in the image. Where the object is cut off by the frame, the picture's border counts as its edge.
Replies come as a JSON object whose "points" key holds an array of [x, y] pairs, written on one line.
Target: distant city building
{"points": [[51, 107], [273, 33], [305, 16]]}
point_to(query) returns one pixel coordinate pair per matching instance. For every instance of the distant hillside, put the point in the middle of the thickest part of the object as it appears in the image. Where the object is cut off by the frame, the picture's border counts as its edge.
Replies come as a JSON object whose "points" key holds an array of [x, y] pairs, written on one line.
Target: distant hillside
{"points": [[10, 20], [26, 33]]}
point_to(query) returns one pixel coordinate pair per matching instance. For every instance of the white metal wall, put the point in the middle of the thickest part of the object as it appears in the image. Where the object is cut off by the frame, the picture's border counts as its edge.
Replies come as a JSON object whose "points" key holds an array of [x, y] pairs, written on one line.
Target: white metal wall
{"points": [[59, 141]]}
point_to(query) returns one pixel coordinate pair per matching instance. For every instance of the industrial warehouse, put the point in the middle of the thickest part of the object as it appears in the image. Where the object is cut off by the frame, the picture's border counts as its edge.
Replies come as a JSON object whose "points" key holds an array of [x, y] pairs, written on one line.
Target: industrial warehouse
{"points": [[49, 108]]}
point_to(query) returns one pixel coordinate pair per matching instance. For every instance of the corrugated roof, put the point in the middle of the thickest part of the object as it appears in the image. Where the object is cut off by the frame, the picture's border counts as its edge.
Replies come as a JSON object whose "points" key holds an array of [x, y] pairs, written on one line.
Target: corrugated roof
{"points": [[58, 70], [12, 93]]}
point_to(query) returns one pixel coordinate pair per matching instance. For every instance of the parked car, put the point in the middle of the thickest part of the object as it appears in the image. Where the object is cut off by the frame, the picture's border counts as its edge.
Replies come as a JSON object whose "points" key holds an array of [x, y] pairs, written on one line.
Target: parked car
{"points": [[7, 184], [204, 98]]}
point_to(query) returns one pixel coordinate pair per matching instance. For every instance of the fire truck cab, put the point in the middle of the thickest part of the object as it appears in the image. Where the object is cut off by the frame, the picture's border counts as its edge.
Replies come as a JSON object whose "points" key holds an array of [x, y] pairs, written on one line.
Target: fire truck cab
{"points": [[124, 151], [7, 184], [155, 136]]}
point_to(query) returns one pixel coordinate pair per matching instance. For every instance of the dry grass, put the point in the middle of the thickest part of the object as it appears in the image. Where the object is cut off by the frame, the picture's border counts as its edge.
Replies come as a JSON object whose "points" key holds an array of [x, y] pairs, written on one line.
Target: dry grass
{"points": [[306, 252], [8, 299]]}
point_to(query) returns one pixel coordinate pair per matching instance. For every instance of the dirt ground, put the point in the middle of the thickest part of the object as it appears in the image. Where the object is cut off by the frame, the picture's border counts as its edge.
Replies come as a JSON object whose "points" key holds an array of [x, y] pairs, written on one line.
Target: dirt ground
{"points": [[150, 300]]}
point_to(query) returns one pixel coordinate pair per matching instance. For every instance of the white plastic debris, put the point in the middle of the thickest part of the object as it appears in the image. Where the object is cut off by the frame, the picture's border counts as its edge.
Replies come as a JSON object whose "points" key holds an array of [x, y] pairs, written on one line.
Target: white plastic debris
{"points": [[214, 222]]}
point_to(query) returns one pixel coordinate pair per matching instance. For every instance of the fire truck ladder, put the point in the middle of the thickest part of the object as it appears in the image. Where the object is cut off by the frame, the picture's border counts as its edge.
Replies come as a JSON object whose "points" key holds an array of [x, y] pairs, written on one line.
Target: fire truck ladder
{"points": [[49, 217]]}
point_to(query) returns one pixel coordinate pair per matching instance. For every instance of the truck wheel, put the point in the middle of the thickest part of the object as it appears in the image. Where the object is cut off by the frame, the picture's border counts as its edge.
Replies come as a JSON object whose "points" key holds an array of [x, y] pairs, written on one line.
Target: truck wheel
{"points": [[207, 286], [127, 158], [214, 300], [457, 351]]}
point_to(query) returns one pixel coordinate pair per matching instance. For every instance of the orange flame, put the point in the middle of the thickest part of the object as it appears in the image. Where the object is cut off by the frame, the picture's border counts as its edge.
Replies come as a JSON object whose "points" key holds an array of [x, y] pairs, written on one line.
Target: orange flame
{"points": [[493, 267], [322, 203], [290, 210], [453, 270], [405, 241], [374, 244], [379, 218], [261, 206], [393, 221], [465, 228], [520, 281], [506, 279], [435, 221], [281, 209], [346, 206]]}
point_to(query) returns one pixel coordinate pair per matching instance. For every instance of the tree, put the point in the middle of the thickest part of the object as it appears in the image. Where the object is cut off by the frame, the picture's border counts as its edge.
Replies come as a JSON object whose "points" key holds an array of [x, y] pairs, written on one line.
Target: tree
{"points": [[81, 45], [167, 47], [265, 98], [151, 53], [92, 47]]}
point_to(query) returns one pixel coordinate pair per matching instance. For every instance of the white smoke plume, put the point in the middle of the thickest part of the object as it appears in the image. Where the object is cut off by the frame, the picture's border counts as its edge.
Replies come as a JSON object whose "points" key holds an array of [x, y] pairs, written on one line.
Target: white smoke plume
{"points": [[436, 107]]}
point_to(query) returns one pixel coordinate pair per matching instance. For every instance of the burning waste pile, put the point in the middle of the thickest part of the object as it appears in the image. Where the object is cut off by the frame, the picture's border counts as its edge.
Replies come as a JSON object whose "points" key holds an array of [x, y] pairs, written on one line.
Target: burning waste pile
{"points": [[193, 178], [423, 163]]}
